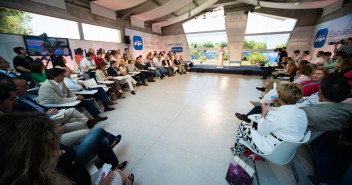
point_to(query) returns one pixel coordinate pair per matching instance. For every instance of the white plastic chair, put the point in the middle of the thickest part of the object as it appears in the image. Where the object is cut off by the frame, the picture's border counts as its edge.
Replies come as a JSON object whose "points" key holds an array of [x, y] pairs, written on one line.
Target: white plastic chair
{"points": [[281, 155]]}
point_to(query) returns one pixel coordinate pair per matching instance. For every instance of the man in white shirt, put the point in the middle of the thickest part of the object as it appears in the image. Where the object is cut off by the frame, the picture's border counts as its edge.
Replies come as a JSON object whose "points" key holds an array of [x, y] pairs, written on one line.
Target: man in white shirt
{"points": [[75, 86], [158, 64], [319, 59], [87, 62], [296, 55]]}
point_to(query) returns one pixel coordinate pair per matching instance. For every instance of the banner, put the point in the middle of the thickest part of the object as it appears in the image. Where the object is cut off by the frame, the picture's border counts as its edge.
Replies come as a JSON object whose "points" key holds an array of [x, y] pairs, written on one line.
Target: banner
{"points": [[143, 43], [177, 44], [330, 31]]}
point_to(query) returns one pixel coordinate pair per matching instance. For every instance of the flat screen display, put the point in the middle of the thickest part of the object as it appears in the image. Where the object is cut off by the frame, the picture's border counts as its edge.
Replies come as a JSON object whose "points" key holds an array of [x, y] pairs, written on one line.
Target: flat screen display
{"points": [[37, 47]]}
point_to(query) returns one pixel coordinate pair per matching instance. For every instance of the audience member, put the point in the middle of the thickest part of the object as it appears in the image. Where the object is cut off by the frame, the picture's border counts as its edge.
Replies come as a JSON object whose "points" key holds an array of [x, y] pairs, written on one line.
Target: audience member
{"points": [[35, 163], [54, 91], [38, 71], [330, 157], [331, 66], [7, 97], [345, 47], [285, 123], [76, 86]]}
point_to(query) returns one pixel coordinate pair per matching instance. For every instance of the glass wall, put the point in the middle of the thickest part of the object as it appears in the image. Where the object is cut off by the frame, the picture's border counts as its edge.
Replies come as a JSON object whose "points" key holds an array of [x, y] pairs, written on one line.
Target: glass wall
{"points": [[98, 33], [25, 23], [205, 35], [264, 33]]}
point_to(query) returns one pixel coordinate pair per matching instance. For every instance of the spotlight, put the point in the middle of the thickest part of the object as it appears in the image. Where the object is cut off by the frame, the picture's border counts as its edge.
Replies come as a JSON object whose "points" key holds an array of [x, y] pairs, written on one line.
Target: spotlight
{"points": [[196, 17], [251, 10], [204, 17], [246, 12]]}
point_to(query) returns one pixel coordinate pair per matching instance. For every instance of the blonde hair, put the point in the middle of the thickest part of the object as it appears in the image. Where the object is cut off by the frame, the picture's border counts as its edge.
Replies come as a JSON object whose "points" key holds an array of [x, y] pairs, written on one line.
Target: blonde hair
{"points": [[29, 148], [289, 93]]}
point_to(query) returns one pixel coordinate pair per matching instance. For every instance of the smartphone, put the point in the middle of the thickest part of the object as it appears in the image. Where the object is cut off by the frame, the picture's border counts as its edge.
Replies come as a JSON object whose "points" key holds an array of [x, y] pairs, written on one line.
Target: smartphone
{"points": [[106, 168]]}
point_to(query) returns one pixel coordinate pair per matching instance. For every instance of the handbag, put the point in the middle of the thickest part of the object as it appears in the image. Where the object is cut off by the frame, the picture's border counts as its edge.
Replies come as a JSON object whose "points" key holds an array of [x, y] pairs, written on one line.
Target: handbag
{"points": [[239, 173]]}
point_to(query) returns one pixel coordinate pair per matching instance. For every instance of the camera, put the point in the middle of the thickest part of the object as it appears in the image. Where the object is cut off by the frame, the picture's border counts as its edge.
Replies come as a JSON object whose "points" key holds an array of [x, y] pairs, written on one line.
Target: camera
{"points": [[337, 42]]}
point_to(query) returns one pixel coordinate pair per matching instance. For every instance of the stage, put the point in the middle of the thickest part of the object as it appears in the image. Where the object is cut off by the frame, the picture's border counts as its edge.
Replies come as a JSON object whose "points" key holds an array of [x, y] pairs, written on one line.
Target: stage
{"points": [[246, 70]]}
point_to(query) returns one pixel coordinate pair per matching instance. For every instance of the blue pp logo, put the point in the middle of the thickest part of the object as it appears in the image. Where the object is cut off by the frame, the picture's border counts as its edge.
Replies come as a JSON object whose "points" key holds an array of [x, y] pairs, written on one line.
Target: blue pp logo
{"points": [[137, 43], [320, 38]]}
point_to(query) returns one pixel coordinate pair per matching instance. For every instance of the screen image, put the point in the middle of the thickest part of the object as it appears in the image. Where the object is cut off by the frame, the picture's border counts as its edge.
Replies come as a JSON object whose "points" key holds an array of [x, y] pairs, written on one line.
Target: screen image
{"points": [[38, 47]]}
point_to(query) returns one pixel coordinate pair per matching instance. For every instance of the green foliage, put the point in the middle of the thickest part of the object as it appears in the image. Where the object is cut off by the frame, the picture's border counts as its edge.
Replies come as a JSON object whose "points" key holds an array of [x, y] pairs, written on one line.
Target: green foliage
{"points": [[256, 58], [208, 44], [281, 46], [254, 45], [222, 43], [202, 58], [195, 45], [14, 21]]}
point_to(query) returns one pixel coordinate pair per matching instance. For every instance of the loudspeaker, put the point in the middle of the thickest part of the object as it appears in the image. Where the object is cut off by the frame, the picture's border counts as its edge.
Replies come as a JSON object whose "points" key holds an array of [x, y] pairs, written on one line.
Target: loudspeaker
{"points": [[127, 40]]}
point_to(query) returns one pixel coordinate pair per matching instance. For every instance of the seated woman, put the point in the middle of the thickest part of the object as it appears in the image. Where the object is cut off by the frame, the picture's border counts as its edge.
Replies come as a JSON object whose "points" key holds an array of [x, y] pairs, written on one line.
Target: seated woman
{"points": [[290, 67], [102, 75], [287, 122], [38, 71], [303, 74], [312, 86], [36, 163]]}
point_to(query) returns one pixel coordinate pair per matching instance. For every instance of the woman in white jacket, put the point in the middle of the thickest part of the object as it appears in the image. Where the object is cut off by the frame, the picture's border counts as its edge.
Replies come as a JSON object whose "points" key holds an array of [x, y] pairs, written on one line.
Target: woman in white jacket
{"points": [[286, 122]]}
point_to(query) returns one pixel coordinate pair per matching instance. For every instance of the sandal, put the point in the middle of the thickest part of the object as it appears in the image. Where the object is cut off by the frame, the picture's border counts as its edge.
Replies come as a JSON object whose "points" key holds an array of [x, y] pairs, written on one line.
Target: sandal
{"points": [[117, 141], [131, 177]]}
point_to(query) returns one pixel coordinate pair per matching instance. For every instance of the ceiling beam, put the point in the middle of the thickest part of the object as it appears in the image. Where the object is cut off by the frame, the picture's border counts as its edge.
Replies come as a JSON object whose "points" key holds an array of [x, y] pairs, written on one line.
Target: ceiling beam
{"points": [[133, 9], [172, 13]]}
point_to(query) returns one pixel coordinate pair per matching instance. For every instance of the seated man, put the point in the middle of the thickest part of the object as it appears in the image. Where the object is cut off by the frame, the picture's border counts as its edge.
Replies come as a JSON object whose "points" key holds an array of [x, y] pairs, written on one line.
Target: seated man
{"points": [[141, 66], [7, 72], [54, 91], [332, 116], [75, 86], [158, 64], [115, 71], [72, 124]]}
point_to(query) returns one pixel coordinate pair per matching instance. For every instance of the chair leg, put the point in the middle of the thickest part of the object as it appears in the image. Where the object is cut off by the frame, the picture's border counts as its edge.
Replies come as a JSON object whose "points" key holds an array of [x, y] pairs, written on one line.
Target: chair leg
{"points": [[295, 173], [256, 172]]}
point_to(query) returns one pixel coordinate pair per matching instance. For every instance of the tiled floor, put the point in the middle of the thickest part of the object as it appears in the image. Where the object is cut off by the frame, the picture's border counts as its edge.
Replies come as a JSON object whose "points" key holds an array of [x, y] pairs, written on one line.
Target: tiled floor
{"points": [[178, 131]]}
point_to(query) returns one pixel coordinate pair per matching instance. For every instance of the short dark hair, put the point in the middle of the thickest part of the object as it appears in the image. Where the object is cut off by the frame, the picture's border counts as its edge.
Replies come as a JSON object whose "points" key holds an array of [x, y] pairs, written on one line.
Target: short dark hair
{"points": [[79, 51], [99, 53], [17, 50], [7, 85], [113, 52], [296, 51], [101, 65], [89, 54], [321, 53], [327, 53], [307, 52], [306, 69], [54, 72], [335, 87], [112, 62]]}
